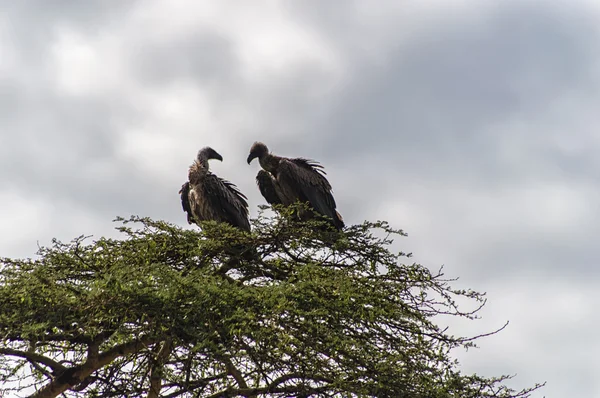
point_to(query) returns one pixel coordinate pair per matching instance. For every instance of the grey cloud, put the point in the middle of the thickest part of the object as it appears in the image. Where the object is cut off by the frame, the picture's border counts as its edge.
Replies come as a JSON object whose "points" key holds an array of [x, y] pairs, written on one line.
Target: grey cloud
{"points": [[43, 16], [63, 146], [33, 25], [63, 137], [204, 58], [440, 94]]}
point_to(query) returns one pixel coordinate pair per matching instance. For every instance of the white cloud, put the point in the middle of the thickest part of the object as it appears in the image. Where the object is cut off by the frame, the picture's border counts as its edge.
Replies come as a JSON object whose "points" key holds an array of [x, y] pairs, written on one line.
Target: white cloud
{"points": [[22, 219], [86, 64], [551, 324]]}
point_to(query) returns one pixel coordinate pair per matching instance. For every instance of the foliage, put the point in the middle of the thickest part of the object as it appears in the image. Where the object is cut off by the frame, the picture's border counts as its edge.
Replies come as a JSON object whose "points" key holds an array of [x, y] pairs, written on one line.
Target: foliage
{"points": [[291, 310]]}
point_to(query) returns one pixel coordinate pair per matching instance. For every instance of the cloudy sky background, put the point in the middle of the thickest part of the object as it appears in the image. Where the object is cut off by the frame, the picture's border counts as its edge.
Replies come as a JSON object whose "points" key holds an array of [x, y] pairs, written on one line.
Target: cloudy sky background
{"points": [[471, 124]]}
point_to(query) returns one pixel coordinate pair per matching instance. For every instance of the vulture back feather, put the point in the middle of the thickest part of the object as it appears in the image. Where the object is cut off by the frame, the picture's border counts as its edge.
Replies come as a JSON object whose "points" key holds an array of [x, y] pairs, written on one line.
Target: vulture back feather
{"points": [[307, 179]]}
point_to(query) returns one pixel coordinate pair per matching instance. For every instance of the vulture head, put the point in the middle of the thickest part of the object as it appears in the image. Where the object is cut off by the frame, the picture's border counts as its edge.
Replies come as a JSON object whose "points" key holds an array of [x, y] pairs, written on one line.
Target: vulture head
{"points": [[199, 168], [207, 153], [258, 150]]}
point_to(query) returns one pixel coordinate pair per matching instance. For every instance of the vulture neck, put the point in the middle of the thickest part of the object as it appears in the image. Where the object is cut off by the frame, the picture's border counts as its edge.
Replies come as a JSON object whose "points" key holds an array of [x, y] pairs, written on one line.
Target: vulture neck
{"points": [[197, 172], [269, 163]]}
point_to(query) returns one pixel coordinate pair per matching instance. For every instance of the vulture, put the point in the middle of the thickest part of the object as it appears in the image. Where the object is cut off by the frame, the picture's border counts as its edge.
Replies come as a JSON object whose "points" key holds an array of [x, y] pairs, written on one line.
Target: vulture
{"points": [[207, 197], [285, 181]]}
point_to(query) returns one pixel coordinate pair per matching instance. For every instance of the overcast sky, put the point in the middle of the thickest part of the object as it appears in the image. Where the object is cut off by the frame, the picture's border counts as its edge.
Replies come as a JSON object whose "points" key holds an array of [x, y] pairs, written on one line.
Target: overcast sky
{"points": [[471, 124]]}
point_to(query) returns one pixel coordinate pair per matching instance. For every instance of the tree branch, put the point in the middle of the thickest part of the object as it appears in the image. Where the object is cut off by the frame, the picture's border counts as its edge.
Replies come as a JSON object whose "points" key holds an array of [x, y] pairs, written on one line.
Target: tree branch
{"points": [[75, 375], [157, 369], [253, 392], [291, 376], [234, 372], [34, 358], [190, 386]]}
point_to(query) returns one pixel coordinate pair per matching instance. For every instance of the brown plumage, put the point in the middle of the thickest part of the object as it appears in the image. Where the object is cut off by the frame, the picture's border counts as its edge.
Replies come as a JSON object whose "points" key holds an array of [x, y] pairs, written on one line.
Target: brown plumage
{"points": [[285, 181], [207, 197]]}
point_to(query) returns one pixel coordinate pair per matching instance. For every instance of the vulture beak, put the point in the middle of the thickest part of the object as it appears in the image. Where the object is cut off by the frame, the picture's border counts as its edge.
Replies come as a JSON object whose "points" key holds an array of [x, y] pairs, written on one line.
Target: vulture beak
{"points": [[251, 157], [209, 153], [215, 155]]}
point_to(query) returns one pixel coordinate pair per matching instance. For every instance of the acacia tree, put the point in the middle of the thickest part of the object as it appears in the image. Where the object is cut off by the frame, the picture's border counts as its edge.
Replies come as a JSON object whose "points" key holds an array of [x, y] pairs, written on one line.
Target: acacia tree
{"points": [[290, 310]]}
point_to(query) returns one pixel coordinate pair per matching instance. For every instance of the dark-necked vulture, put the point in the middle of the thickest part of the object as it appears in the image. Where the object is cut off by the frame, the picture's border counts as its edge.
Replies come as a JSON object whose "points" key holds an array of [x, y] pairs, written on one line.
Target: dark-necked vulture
{"points": [[285, 181], [207, 197]]}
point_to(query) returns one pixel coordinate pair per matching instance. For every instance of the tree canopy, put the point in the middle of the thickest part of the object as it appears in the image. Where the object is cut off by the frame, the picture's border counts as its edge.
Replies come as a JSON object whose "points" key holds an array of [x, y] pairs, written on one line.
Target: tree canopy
{"points": [[292, 309]]}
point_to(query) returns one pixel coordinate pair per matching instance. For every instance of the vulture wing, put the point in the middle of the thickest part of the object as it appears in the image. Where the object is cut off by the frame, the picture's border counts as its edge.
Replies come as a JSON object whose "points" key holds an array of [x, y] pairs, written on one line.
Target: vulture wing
{"points": [[185, 201], [266, 185], [226, 202], [308, 179]]}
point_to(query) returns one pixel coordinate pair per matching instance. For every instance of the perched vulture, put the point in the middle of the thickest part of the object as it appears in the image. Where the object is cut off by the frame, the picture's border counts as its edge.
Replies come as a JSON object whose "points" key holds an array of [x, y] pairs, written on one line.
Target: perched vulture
{"points": [[285, 181], [207, 197]]}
